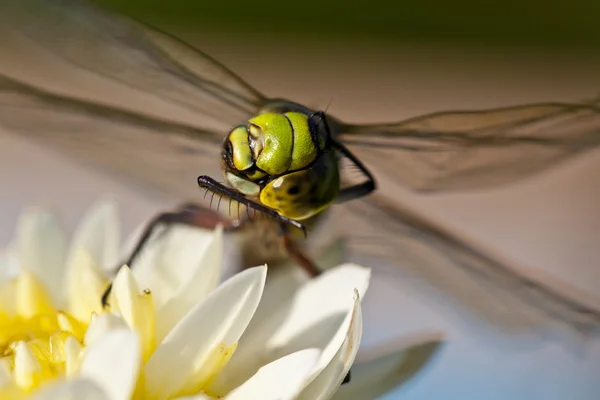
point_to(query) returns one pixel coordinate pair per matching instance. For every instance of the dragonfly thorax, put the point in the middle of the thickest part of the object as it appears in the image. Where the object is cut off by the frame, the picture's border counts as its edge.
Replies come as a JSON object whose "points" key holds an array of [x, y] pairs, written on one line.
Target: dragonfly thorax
{"points": [[284, 161]]}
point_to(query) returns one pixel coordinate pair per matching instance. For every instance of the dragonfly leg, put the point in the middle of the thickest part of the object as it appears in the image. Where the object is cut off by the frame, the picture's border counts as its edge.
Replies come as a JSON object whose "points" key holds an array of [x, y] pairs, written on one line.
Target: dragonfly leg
{"points": [[187, 214], [298, 256], [360, 189]]}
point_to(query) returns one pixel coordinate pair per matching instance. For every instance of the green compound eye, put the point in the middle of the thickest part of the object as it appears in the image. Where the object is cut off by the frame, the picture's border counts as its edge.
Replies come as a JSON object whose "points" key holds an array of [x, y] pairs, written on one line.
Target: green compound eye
{"points": [[287, 142], [242, 154], [304, 150], [275, 157]]}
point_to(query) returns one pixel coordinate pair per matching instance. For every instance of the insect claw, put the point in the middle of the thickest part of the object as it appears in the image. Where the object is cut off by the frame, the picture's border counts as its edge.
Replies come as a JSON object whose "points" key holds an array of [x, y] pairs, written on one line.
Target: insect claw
{"points": [[299, 226], [304, 231]]}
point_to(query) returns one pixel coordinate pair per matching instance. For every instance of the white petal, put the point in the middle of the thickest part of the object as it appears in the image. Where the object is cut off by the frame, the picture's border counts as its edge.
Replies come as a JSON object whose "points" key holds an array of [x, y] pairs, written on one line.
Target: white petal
{"points": [[282, 284], [330, 378], [98, 233], [311, 317], [72, 356], [76, 389], [388, 366], [187, 357], [9, 263], [285, 280], [199, 284], [171, 258], [101, 325], [41, 247], [85, 285], [125, 289], [27, 369], [136, 308], [280, 380], [113, 363]]}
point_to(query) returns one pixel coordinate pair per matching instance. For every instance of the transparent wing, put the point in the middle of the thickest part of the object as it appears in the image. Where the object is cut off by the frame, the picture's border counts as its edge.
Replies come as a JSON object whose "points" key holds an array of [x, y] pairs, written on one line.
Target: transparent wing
{"points": [[133, 54], [476, 149], [379, 228], [160, 156]]}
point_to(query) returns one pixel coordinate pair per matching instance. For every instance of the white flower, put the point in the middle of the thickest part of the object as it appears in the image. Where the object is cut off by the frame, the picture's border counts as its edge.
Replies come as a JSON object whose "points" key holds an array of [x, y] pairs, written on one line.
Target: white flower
{"points": [[48, 293], [172, 331]]}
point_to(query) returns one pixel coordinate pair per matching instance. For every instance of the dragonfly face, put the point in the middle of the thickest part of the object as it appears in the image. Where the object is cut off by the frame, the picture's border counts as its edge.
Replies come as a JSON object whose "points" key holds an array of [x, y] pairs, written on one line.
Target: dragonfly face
{"points": [[284, 161]]}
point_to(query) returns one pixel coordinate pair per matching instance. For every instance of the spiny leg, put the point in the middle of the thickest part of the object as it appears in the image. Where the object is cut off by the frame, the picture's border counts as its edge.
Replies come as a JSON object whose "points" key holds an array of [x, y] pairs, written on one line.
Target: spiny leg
{"points": [[216, 187], [187, 214]]}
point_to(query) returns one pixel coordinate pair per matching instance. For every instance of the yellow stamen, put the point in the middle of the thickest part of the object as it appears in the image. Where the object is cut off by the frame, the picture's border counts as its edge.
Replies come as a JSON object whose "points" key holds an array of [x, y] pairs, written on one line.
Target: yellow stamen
{"points": [[37, 342]]}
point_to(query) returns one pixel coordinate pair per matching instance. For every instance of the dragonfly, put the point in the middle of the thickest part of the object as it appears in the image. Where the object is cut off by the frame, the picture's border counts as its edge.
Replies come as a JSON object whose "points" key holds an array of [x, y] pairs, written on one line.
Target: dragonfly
{"points": [[287, 165]]}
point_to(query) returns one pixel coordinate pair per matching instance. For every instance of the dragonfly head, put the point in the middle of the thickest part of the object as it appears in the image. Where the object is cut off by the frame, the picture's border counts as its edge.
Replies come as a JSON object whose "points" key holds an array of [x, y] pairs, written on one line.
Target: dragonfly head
{"points": [[284, 161]]}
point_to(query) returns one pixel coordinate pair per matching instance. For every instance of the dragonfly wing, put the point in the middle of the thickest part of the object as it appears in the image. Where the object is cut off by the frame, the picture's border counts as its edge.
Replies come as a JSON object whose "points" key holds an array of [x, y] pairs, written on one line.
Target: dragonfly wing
{"points": [[160, 156], [132, 54], [378, 228], [476, 149]]}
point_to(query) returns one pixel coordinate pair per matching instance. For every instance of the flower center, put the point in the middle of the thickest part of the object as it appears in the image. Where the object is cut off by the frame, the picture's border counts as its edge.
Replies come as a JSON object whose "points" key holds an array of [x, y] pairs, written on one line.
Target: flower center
{"points": [[16, 329], [37, 342]]}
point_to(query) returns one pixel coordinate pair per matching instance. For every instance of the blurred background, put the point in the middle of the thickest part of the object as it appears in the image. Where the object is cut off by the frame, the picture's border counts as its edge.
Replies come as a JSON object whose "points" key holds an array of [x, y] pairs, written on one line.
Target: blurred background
{"points": [[534, 22], [378, 61]]}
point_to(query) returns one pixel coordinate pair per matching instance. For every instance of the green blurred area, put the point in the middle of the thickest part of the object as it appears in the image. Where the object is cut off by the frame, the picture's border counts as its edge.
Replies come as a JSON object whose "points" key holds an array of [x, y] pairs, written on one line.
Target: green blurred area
{"points": [[537, 22]]}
